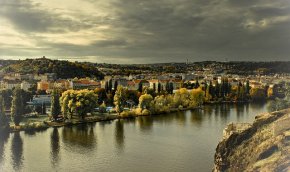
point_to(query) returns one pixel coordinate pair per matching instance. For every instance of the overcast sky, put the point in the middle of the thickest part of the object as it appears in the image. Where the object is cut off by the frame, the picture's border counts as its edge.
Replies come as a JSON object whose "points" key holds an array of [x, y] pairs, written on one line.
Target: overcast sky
{"points": [[145, 31]]}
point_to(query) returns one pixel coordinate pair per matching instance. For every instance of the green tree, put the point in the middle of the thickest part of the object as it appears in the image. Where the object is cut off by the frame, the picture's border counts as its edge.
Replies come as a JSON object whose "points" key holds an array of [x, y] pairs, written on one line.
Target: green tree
{"points": [[102, 96], [3, 120], [55, 104], [154, 87], [103, 108], [247, 90], [140, 87], [17, 106], [159, 87], [278, 104], [258, 94], [7, 98]]}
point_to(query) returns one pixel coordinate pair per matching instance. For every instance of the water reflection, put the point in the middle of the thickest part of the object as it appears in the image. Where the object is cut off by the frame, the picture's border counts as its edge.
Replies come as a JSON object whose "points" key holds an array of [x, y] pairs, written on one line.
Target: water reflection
{"points": [[17, 151], [196, 117], [145, 123], [180, 117], [4, 135], [55, 147], [80, 136], [224, 111], [257, 105], [119, 134], [240, 109]]}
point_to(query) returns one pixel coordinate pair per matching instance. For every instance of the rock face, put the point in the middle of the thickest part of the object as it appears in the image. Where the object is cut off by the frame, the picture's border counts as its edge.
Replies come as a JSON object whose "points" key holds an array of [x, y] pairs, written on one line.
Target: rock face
{"points": [[264, 146]]}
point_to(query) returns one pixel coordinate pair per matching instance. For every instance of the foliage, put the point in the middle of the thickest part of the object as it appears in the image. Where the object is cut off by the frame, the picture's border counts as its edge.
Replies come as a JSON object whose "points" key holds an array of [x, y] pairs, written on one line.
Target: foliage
{"points": [[7, 98], [278, 104], [79, 102], [145, 101], [55, 104], [120, 99], [17, 107], [196, 97], [3, 120], [181, 97], [63, 69], [258, 94], [163, 104], [103, 108], [102, 96]]}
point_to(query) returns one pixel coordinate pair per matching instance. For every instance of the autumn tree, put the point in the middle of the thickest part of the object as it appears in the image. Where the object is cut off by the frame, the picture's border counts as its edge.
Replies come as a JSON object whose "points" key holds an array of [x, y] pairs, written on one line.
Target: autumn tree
{"points": [[120, 99], [79, 102], [196, 97], [145, 101]]}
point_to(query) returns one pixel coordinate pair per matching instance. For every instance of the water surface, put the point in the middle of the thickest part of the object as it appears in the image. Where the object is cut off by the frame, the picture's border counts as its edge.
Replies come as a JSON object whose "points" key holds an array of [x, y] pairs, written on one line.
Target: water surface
{"points": [[182, 141]]}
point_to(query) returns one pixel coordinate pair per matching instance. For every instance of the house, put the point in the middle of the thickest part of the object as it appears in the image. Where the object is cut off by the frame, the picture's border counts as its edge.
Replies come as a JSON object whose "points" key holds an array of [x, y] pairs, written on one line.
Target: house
{"points": [[10, 84], [84, 84], [43, 85], [25, 85], [131, 85]]}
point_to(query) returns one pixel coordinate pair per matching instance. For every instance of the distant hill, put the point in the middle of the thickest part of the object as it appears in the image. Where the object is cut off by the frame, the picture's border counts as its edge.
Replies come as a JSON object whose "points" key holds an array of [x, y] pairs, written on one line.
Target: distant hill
{"points": [[63, 69]]}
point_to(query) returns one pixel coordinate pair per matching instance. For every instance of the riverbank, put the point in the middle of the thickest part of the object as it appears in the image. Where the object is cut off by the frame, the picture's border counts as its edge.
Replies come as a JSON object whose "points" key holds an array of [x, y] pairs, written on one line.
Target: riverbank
{"points": [[263, 146], [36, 125]]}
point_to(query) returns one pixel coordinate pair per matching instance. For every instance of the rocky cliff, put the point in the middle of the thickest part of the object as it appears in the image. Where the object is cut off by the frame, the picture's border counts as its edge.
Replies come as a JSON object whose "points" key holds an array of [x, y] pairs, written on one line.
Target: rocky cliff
{"points": [[265, 146]]}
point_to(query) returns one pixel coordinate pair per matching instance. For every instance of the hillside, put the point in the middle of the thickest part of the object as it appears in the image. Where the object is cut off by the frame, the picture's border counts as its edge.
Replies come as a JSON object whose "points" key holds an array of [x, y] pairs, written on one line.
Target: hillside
{"points": [[263, 147], [63, 69]]}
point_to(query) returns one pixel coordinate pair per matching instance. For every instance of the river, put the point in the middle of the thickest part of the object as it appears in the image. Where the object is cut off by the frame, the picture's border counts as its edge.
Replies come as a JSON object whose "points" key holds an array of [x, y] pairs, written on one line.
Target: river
{"points": [[182, 141]]}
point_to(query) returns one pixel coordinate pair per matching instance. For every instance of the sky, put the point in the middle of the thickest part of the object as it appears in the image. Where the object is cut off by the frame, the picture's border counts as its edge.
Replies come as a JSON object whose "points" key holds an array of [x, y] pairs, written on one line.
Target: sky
{"points": [[145, 31]]}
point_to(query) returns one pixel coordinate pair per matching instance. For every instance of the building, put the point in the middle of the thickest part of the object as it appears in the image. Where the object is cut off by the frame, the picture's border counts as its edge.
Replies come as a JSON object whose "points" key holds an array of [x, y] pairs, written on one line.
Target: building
{"points": [[84, 84], [10, 84]]}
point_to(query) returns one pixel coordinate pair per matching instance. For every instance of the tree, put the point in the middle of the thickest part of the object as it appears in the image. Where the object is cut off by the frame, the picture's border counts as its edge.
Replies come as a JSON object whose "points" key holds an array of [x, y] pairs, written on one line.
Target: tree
{"points": [[103, 108], [145, 101], [119, 99], [140, 87], [247, 90], [278, 104], [159, 87], [167, 88], [162, 104], [211, 90], [7, 98], [181, 97], [102, 96], [17, 107], [55, 104], [196, 83], [258, 94], [207, 95], [115, 85], [171, 88], [196, 97], [107, 87], [110, 86], [79, 102], [3, 120]]}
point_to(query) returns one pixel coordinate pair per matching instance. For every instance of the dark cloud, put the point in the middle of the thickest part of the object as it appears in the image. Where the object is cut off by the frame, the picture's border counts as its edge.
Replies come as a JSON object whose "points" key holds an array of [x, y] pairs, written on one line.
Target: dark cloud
{"points": [[160, 31]]}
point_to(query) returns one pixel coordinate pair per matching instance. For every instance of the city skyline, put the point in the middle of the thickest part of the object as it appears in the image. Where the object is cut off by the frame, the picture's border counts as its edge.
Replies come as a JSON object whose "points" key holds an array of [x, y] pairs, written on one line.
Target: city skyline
{"points": [[128, 31]]}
